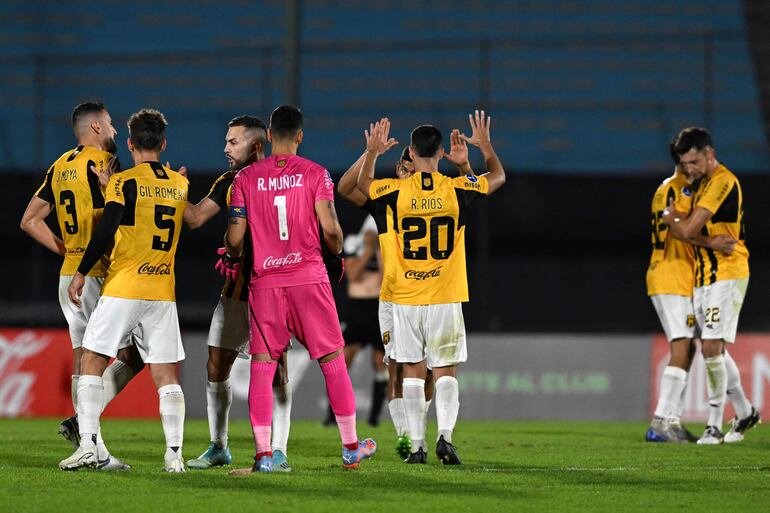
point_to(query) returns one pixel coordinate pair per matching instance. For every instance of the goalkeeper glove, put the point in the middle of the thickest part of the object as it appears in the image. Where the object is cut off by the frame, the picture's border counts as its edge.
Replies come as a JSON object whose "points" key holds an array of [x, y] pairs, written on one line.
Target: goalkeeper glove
{"points": [[335, 266], [228, 266]]}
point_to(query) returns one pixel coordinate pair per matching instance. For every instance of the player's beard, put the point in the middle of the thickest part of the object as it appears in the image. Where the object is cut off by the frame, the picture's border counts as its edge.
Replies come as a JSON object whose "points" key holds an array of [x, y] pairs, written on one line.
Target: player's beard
{"points": [[110, 146], [237, 165]]}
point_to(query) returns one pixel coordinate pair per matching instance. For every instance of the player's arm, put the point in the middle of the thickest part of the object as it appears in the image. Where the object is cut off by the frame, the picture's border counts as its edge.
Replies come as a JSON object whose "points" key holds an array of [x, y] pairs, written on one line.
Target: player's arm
{"points": [[211, 205], [458, 154], [199, 214], [237, 225], [721, 242], [377, 143], [332, 231], [480, 136], [103, 236], [682, 226], [33, 224], [355, 265], [347, 187]]}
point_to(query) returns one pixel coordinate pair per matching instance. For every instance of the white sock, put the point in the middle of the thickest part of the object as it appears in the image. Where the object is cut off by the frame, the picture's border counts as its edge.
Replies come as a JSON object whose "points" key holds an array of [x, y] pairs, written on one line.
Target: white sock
{"points": [[734, 388], [398, 415], [116, 376], [219, 397], [447, 405], [282, 396], [682, 399], [89, 407], [717, 389], [425, 413], [414, 404], [672, 383], [172, 415], [74, 391]]}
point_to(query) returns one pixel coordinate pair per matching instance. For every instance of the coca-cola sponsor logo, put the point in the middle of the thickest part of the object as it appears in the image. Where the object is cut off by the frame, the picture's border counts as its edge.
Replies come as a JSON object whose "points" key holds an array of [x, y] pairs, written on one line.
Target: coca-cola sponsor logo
{"points": [[272, 262], [157, 270], [411, 274], [15, 384]]}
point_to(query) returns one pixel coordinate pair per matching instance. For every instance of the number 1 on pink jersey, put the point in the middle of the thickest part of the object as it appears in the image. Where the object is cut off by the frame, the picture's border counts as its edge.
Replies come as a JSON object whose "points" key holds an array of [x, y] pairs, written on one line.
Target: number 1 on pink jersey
{"points": [[283, 227]]}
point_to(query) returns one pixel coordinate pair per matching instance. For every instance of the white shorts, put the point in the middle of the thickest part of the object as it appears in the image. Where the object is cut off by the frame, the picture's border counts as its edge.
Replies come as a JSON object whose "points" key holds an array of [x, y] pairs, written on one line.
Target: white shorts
{"points": [[230, 326], [676, 315], [435, 333], [156, 321], [385, 313], [717, 308], [77, 318]]}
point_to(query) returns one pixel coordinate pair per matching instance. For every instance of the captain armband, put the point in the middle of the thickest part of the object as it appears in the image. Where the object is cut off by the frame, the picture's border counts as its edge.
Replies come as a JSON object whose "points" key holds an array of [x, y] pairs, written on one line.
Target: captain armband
{"points": [[238, 212]]}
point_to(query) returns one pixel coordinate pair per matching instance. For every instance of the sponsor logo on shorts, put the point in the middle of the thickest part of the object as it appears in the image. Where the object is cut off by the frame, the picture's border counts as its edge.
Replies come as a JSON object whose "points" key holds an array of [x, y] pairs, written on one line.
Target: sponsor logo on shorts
{"points": [[690, 321], [386, 338], [157, 270], [75, 251], [411, 274], [272, 262]]}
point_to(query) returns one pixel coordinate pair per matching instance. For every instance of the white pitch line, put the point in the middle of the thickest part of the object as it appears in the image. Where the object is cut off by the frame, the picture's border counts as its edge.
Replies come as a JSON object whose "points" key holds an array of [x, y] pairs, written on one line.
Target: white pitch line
{"points": [[617, 469]]}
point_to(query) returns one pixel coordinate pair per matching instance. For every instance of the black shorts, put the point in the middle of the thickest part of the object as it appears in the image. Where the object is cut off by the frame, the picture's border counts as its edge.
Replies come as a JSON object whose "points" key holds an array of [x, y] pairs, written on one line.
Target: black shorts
{"points": [[363, 324]]}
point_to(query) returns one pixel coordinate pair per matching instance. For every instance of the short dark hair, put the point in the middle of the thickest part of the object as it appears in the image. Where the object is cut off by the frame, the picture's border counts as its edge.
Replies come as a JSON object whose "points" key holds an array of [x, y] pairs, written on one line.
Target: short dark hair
{"points": [[286, 121], [692, 137], [147, 129], [672, 150], [86, 108], [405, 155], [251, 122], [426, 140]]}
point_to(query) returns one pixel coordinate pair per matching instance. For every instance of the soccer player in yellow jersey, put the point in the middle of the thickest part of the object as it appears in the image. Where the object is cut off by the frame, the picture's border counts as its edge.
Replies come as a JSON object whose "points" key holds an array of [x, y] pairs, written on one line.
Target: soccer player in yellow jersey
{"points": [[71, 187], [670, 281], [422, 237], [348, 189], [229, 332], [143, 213], [720, 279]]}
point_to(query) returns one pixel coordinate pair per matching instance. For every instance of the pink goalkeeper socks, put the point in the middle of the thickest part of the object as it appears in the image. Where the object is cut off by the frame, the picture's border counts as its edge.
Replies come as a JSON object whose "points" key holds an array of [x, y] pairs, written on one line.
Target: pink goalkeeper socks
{"points": [[261, 403], [341, 399]]}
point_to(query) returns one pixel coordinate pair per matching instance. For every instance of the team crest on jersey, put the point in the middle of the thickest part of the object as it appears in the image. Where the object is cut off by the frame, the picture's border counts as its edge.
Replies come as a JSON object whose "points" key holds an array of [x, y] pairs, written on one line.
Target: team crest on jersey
{"points": [[159, 172], [386, 338], [281, 163], [690, 321], [472, 178]]}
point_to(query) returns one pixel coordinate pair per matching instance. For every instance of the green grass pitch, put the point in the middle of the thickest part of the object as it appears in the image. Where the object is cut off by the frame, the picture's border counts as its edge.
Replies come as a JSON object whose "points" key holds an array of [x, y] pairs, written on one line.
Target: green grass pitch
{"points": [[509, 466]]}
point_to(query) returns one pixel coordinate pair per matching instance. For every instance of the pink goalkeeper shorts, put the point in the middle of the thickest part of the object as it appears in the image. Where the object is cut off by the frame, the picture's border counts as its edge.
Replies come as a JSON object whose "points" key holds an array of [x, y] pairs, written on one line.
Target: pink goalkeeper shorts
{"points": [[306, 311]]}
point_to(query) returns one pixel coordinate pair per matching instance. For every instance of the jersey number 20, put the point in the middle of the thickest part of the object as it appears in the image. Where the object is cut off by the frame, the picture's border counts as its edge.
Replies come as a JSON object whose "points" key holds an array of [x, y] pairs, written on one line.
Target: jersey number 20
{"points": [[416, 228]]}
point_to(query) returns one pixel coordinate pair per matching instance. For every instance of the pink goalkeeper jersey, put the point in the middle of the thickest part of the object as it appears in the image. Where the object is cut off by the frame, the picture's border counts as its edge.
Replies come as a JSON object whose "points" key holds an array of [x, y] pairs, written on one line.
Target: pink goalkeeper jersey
{"points": [[279, 195]]}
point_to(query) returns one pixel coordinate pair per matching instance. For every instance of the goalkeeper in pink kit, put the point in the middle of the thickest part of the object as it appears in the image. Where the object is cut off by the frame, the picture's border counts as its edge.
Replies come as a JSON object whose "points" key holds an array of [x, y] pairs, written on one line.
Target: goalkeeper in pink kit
{"points": [[282, 199]]}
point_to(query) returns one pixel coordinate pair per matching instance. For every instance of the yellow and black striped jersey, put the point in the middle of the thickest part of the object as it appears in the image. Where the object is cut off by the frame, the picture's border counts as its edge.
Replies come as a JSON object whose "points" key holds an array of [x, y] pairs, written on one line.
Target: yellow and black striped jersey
{"points": [[142, 262], [421, 226], [671, 268], [220, 194], [75, 191], [721, 195]]}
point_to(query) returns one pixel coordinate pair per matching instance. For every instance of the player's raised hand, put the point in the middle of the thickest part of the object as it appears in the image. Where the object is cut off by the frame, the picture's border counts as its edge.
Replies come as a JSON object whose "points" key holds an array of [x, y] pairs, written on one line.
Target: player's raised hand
{"points": [[458, 150], [111, 167], [75, 289], [182, 169], [378, 139], [480, 124], [670, 214]]}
